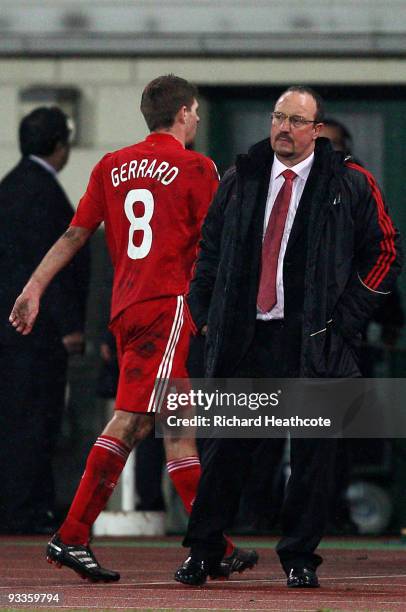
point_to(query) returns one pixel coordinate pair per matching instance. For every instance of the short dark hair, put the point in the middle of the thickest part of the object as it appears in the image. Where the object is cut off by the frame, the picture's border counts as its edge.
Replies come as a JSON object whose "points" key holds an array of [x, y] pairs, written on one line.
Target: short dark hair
{"points": [[42, 129], [163, 98], [316, 97]]}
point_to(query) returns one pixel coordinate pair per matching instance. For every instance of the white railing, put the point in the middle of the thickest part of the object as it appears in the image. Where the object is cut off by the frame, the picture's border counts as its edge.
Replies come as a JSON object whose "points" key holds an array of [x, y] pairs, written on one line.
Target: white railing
{"points": [[204, 16], [202, 26]]}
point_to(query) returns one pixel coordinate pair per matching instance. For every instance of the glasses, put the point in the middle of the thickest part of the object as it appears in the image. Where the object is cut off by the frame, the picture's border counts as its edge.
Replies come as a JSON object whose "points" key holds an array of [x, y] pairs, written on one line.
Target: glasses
{"points": [[295, 121]]}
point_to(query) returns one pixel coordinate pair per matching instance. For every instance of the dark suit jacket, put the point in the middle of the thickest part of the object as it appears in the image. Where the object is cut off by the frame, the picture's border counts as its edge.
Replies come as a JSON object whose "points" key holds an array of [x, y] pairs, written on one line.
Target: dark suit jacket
{"points": [[34, 213]]}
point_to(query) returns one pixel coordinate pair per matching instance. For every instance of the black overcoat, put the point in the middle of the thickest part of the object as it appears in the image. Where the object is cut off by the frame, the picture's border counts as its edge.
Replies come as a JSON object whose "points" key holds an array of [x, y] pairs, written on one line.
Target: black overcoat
{"points": [[348, 264]]}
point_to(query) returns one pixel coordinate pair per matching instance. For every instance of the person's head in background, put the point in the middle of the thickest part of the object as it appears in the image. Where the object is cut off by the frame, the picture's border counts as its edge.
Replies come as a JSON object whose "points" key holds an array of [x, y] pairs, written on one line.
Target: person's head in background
{"points": [[46, 132], [338, 135]]}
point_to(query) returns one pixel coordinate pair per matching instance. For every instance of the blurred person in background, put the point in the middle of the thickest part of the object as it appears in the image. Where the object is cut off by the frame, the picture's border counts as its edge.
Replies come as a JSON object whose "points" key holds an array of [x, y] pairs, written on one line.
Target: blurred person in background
{"points": [[338, 135], [34, 211]]}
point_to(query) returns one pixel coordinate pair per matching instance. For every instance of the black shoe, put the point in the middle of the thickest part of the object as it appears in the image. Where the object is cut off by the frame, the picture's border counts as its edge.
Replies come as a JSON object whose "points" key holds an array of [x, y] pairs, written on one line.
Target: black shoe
{"points": [[240, 560], [79, 558], [195, 572], [302, 579]]}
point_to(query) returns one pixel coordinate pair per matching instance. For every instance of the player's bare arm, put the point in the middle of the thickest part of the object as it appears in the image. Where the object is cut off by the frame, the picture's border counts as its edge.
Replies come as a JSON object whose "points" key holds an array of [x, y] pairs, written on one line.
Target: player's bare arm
{"points": [[26, 307]]}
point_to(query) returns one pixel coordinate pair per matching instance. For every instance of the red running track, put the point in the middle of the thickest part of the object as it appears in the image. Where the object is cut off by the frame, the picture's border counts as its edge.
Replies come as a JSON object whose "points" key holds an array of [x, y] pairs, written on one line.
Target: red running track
{"points": [[352, 578]]}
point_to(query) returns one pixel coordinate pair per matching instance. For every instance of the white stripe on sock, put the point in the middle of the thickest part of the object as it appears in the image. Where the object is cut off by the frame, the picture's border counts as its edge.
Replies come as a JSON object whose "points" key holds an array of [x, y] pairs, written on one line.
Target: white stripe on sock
{"points": [[179, 464], [111, 450], [112, 447], [182, 461]]}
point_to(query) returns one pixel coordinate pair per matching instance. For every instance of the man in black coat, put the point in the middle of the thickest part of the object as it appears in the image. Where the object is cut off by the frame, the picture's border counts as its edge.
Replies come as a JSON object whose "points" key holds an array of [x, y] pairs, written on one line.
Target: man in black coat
{"points": [[34, 212], [296, 311]]}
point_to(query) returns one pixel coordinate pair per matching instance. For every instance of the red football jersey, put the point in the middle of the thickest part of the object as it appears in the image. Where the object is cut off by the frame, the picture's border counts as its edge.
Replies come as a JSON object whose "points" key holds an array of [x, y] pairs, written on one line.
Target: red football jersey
{"points": [[152, 197]]}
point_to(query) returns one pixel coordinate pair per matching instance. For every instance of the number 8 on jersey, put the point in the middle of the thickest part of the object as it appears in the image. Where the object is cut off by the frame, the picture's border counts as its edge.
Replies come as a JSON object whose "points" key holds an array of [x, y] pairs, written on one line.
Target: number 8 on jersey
{"points": [[139, 223]]}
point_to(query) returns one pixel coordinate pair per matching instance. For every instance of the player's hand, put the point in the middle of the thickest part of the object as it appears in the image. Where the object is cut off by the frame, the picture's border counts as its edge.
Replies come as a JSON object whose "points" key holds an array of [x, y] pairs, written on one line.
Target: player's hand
{"points": [[74, 343], [203, 331], [25, 311]]}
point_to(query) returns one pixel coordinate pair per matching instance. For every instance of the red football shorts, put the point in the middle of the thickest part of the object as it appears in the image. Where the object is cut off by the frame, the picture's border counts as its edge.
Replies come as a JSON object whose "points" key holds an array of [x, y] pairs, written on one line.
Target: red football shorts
{"points": [[152, 342]]}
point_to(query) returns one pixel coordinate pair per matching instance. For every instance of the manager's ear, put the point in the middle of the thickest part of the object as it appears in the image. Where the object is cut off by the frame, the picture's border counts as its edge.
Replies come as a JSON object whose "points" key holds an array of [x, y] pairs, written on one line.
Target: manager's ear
{"points": [[317, 127]]}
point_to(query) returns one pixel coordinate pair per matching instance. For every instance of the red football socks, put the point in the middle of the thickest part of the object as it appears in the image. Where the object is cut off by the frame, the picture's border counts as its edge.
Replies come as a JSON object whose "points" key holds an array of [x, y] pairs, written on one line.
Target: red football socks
{"points": [[185, 475], [104, 465]]}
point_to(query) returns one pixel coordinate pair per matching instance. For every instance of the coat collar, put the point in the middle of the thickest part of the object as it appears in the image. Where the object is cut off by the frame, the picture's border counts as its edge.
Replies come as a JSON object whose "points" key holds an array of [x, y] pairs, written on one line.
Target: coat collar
{"points": [[44, 164], [258, 158], [315, 202], [32, 164], [254, 168]]}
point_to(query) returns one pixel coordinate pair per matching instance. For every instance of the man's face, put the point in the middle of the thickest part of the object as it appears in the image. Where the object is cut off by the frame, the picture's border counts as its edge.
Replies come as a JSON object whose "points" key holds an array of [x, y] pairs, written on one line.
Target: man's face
{"points": [[293, 144], [192, 120]]}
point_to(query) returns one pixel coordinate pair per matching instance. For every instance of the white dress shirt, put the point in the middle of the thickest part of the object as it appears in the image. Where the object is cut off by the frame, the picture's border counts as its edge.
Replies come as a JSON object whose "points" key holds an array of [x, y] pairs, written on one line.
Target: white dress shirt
{"points": [[302, 170]]}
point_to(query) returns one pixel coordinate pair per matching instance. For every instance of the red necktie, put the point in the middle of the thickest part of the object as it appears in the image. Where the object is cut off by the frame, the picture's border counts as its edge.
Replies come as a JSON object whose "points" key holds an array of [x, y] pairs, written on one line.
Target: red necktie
{"points": [[272, 244]]}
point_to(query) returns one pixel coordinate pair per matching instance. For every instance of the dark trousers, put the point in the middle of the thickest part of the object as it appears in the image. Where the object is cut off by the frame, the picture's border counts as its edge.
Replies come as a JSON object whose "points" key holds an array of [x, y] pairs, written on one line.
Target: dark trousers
{"points": [[32, 395], [262, 495], [148, 474], [227, 463]]}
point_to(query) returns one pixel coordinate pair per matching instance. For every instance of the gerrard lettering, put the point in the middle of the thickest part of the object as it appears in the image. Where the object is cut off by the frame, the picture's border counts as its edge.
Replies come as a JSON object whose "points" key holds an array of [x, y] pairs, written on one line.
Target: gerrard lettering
{"points": [[144, 168]]}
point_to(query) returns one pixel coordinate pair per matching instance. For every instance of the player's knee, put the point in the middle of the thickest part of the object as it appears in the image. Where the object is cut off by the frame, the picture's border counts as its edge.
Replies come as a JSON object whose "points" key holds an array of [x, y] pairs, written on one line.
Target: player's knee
{"points": [[142, 426], [129, 427]]}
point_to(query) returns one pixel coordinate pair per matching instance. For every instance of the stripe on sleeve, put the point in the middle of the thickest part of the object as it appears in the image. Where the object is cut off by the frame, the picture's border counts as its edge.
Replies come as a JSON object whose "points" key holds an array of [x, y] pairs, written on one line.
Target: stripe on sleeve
{"points": [[388, 250]]}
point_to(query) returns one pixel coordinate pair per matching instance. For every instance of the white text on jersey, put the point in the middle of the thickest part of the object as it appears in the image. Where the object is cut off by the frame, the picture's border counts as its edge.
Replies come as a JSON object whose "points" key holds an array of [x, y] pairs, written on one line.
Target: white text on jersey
{"points": [[144, 169]]}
